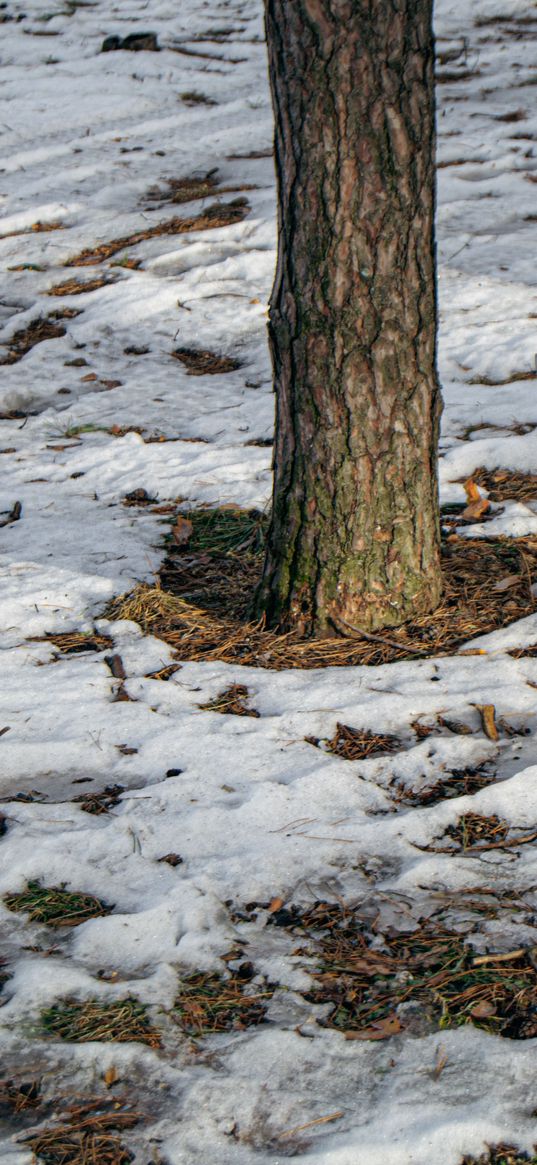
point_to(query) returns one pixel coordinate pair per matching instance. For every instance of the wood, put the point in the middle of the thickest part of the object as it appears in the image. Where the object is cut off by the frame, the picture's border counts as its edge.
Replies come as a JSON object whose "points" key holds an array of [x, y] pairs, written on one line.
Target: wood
{"points": [[354, 535]]}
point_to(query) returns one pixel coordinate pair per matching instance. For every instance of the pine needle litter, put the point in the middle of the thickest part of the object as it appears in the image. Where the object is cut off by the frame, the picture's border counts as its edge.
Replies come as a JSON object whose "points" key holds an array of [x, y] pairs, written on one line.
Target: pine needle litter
{"points": [[206, 585], [89, 1136], [119, 1021], [220, 214], [356, 744], [209, 1003], [56, 906], [432, 967]]}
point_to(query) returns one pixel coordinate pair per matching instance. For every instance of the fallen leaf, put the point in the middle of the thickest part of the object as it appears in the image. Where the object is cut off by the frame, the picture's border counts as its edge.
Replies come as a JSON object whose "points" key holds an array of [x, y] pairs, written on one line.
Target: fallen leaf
{"points": [[110, 1076], [115, 663], [471, 491], [182, 531], [488, 720], [382, 1029], [89, 376], [504, 584], [276, 904], [476, 509], [483, 1009]]}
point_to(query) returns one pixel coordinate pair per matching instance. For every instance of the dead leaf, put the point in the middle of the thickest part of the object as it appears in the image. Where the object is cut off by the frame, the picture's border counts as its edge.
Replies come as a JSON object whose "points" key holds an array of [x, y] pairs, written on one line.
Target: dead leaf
{"points": [[89, 376], [115, 663], [476, 509], [382, 1029], [488, 720], [182, 531], [483, 1009], [471, 491], [275, 905], [110, 1076], [504, 584]]}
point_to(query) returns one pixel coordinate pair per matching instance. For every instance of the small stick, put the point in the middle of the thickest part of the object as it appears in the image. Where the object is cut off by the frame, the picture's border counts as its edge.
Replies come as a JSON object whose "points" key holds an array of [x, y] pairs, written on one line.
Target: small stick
{"points": [[321, 1120], [375, 638], [505, 958]]}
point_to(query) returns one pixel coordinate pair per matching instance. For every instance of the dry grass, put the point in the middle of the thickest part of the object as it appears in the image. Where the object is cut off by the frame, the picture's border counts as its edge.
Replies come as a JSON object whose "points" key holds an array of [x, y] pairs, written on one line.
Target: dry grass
{"points": [[202, 363], [78, 287], [89, 1136], [231, 702], [476, 833], [507, 485], [356, 744], [431, 967], [98, 803], [55, 906], [219, 215], [208, 1003], [501, 1155], [207, 586], [119, 1021], [46, 328]]}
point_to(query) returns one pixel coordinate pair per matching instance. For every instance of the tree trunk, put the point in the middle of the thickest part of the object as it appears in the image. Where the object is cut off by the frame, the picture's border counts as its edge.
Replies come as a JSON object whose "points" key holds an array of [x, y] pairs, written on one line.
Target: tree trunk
{"points": [[354, 537]]}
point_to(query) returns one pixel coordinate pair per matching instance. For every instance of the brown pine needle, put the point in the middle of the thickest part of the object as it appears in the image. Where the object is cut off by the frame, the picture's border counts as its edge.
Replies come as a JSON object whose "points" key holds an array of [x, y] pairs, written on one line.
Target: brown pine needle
{"points": [[321, 1120]]}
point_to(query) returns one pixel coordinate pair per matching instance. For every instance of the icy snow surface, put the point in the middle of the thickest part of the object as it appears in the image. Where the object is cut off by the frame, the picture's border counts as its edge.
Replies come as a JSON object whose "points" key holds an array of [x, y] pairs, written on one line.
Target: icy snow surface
{"points": [[253, 809]]}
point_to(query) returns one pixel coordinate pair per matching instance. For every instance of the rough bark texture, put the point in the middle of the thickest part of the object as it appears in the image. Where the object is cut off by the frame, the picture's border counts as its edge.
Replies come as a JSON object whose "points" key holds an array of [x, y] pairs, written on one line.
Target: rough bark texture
{"points": [[354, 537]]}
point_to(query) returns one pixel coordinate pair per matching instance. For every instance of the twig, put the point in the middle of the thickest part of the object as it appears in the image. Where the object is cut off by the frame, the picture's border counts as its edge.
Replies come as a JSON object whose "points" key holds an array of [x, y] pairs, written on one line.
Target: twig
{"points": [[384, 642], [505, 958], [13, 516], [321, 1120]]}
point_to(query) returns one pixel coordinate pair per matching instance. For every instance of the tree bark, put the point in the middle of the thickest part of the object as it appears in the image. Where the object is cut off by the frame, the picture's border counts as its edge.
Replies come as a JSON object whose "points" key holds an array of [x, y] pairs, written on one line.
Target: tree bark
{"points": [[354, 535]]}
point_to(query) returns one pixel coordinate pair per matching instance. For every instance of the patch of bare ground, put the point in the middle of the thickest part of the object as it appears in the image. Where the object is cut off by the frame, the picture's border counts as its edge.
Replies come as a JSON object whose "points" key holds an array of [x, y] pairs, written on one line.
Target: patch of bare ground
{"points": [[191, 189], [523, 374], [475, 833], [505, 485], [218, 215], [208, 1002], [202, 601], [503, 1154], [455, 783], [37, 228], [194, 97], [199, 362], [18, 1096], [73, 642], [98, 803], [118, 1021], [78, 287], [356, 744], [231, 702], [371, 986], [88, 1134], [45, 328]]}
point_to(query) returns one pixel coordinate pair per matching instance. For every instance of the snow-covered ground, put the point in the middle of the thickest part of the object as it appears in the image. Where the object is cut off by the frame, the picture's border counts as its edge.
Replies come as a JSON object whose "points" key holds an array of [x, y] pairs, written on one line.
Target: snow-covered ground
{"points": [[255, 812]]}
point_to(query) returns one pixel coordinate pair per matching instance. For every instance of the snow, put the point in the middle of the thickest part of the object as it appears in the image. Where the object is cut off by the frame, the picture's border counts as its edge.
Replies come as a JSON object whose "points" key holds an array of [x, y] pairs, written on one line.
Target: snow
{"points": [[252, 808]]}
